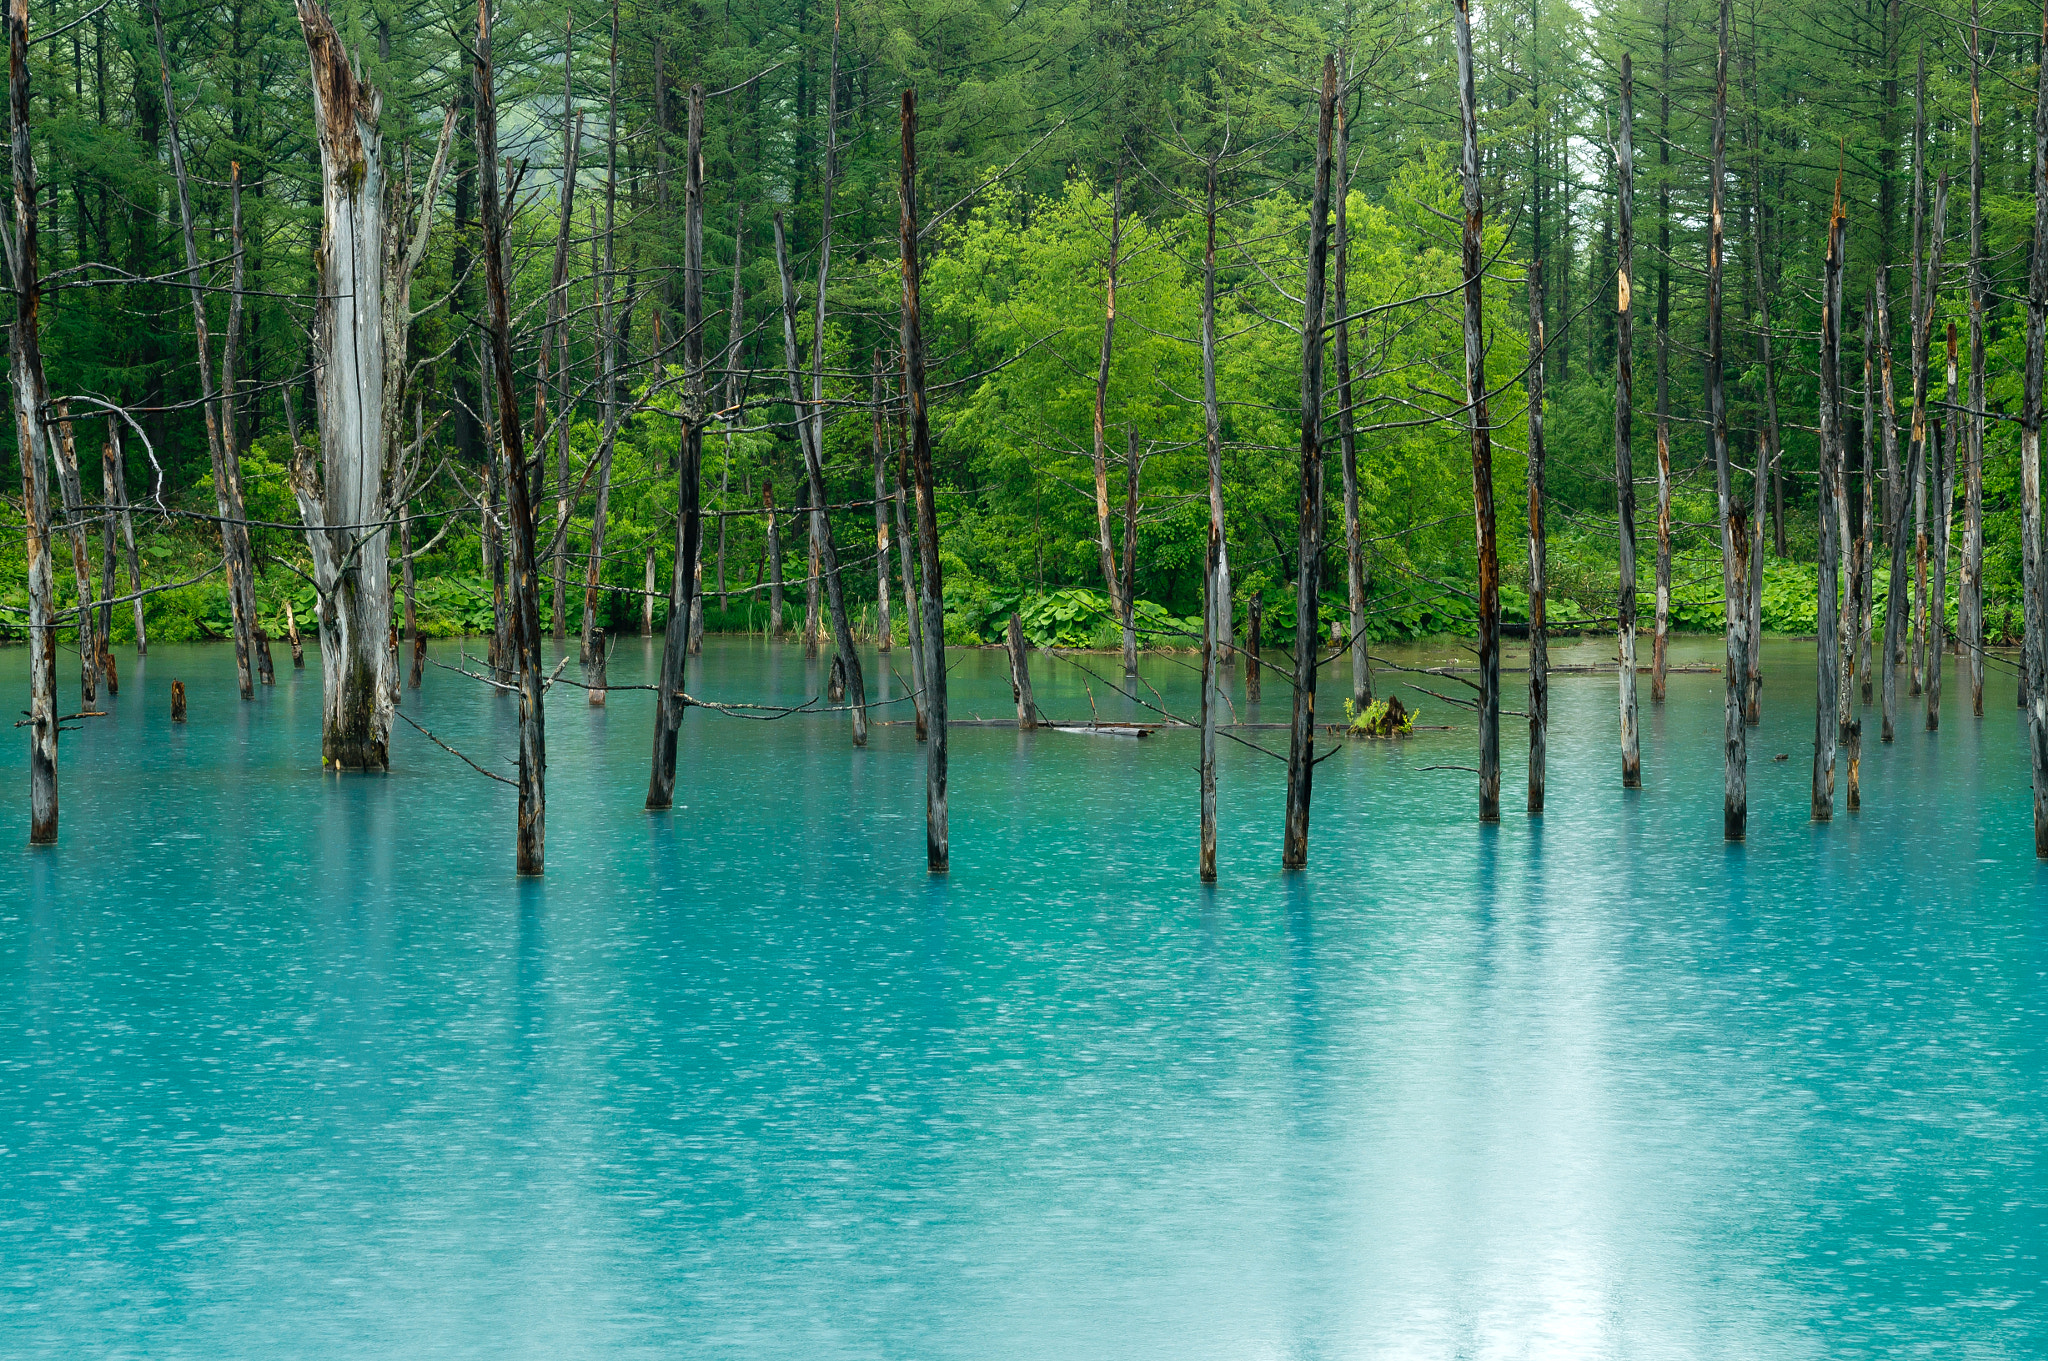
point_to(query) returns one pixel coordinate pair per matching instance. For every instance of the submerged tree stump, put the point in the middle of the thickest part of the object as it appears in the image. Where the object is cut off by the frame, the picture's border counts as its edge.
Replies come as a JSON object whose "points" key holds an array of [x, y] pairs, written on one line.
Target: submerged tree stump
{"points": [[177, 701]]}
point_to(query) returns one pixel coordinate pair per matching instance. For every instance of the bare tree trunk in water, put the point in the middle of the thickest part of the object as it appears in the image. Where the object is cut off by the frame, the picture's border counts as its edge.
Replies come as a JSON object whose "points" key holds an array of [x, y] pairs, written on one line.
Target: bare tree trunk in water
{"points": [[2030, 467], [1866, 542], [931, 593], [1923, 335], [1970, 591], [1898, 590], [1112, 580], [885, 634], [1216, 563], [65, 453], [1020, 676], [592, 649], [1347, 444], [669, 701], [533, 759], [1944, 482], [1254, 666], [1772, 450], [1734, 535], [370, 247], [558, 329], [1482, 434], [1660, 643], [1134, 469], [116, 474], [914, 630], [647, 600], [773, 554], [1624, 447], [1827, 643], [1301, 741]]}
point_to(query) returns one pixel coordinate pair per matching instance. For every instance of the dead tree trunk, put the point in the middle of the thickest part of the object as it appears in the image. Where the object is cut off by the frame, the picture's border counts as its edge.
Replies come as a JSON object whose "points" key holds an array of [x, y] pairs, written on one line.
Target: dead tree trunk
{"points": [[735, 387], [1735, 809], [1347, 444], [2036, 609], [227, 472], [913, 630], [371, 244], [593, 655], [1897, 592], [32, 435], [1482, 434], [1970, 590], [1945, 488], [1216, 562], [1827, 720], [1301, 742], [1134, 469], [773, 553], [930, 585], [412, 614], [647, 600], [885, 635], [669, 699], [532, 842], [1772, 451], [1112, 580], [1660, 642], [1020, 676], [1866, 542], [557, 337], [1923, 334], [1254, 667], [1624, 443], [114, 472], [65, 453]]}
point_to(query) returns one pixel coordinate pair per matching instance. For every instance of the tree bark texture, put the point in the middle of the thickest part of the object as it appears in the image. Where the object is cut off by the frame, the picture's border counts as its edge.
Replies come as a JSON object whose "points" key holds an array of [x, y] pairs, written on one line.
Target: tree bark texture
{"points": [[1482, 434], [1735, 774], [1624, 445], [931, 595]]}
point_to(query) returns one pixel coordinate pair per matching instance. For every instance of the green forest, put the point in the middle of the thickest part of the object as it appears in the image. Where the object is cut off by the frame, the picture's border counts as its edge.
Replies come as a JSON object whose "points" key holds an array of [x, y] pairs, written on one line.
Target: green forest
{"points": [[1065, 145]]}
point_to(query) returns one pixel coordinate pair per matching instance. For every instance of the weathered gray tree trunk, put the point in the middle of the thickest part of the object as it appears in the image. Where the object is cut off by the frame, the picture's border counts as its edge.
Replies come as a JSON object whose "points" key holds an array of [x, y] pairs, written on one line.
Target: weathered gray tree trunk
{"points": [[1347, 439], [1923, 334], [669, 699], [1866, 542], [1134, 470], [32, 433], [1661, 640], [735, 385], [1898, 592], [914, 630], [1112, 580], [647, 600], [533, 758], [557, 337], [114, 472], [227, 471], [2036, 608], [1481, 431], [930, 585], [1216, 561], [1301, 730], [773, 555], [1020, 675], [1771, 448], [371, 243], [1970, 590], [1254, 666], [1944, 482], [1827, 643], [1624, 442], [592, 654], [1735, 781], [885, 637], [64, 453]]}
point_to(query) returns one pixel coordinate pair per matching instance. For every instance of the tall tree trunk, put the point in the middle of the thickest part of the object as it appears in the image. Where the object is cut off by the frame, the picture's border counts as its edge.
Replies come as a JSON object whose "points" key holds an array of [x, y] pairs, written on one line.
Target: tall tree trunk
{"points": [[1301, 742], [885, 634], [1866, 543], [913, 629], [1020, 676], [227, 472], [65, 456], [115, 473], [930, 586], [1827, 719], [592, 653], [1771, 452], [532, 839], [2030, 467], [1347, 435], [1916, 456], [1624, 431], [32, 433], [1111, 579], [1735, 809], [1216, 562], [1134, 468], [735, 385], [1945, 488], [1660, 646], [669, 700], [1970, 591], [367, 255], [1897, 592], [558, 329], [1482, 434], [773, 553]]}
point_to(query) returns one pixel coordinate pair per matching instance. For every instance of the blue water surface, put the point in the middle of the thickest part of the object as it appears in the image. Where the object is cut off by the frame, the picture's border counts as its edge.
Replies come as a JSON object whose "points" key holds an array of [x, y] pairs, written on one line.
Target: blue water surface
{"points": [[291, 1065]]}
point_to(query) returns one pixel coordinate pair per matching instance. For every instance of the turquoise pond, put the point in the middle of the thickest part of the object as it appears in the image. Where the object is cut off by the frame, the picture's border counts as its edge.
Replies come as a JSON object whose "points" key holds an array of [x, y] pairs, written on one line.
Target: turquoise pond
{"points": [[291, 1065]]}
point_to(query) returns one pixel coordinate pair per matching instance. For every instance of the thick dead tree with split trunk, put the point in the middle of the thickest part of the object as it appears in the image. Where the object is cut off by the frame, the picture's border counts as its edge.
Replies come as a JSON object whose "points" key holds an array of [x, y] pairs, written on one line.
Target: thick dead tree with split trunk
{"points": [[2036, 607], [372, 240], [1301, 728], [32, 431], [669, 700], [930, 584], [1484, 531], [533, 759], [1734, 537], [1624, 431], [1827, 643]]}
